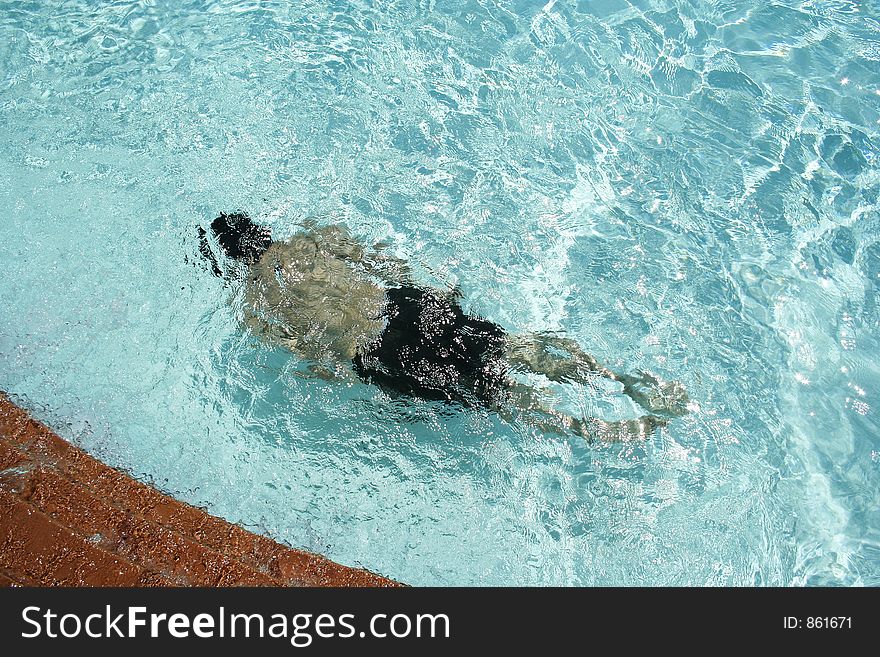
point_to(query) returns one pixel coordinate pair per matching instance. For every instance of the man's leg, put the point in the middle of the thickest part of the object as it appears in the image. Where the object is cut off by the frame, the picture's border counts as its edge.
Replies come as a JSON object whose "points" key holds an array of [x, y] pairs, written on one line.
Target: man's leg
{"points": [[562, 359], [527, 401]]}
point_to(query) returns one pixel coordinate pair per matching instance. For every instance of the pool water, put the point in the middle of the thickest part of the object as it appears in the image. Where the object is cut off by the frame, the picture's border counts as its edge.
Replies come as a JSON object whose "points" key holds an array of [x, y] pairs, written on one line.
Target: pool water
{"points": [[689, 188]]}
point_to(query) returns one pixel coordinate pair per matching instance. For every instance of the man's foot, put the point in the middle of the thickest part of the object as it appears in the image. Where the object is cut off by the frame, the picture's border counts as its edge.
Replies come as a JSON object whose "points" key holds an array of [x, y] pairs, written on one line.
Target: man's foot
{"points": [[666, 397]]}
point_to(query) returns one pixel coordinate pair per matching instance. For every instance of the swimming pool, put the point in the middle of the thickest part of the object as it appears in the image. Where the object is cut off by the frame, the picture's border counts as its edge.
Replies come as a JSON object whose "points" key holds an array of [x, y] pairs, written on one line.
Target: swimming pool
{"points": [[690, 188]]}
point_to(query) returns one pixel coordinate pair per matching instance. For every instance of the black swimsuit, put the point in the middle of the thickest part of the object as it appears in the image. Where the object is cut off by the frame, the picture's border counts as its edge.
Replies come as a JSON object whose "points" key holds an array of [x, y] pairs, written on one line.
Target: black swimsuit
{"points": [[431, 349]]}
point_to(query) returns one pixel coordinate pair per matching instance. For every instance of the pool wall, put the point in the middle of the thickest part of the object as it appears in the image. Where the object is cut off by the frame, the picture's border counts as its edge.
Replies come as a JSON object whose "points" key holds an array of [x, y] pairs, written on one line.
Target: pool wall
{"points": [[66, 519]]}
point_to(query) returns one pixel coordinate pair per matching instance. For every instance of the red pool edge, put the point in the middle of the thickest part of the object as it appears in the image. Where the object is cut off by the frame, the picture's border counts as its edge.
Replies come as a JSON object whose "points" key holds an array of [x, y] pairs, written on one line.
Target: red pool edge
{"points": [[66, 519]]}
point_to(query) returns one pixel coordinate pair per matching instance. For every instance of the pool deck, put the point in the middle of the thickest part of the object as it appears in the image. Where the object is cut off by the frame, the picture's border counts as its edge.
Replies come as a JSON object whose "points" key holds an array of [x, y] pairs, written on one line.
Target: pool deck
{"points": [[66, 519]]}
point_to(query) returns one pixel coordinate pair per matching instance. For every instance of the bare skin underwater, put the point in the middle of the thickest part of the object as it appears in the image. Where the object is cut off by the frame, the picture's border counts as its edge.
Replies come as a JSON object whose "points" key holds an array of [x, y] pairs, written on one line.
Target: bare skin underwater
{"points": [[328, 299]]}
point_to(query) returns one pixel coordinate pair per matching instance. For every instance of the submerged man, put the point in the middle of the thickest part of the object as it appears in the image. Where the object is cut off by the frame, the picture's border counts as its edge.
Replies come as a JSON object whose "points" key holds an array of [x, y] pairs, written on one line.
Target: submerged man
{"points": [[353, 312]]}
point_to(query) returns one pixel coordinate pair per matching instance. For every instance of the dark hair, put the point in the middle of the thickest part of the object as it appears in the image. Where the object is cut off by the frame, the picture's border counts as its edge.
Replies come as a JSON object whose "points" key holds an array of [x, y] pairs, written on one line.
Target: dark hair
{"points": [[238, 236]]}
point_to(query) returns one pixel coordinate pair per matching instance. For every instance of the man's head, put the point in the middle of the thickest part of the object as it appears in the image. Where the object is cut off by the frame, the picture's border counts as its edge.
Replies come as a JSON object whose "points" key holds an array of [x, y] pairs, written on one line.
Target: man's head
{"points": [[240, 238]]}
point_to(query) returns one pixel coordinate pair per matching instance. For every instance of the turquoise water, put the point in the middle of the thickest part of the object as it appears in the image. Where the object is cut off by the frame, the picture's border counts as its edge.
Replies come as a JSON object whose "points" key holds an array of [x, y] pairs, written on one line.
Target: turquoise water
{"points": [[690, 188]]}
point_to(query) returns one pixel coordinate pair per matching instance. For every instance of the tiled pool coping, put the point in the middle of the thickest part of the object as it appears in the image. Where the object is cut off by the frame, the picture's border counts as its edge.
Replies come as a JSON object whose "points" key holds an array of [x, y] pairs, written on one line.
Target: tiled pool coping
{"points": [[66, 519]]}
